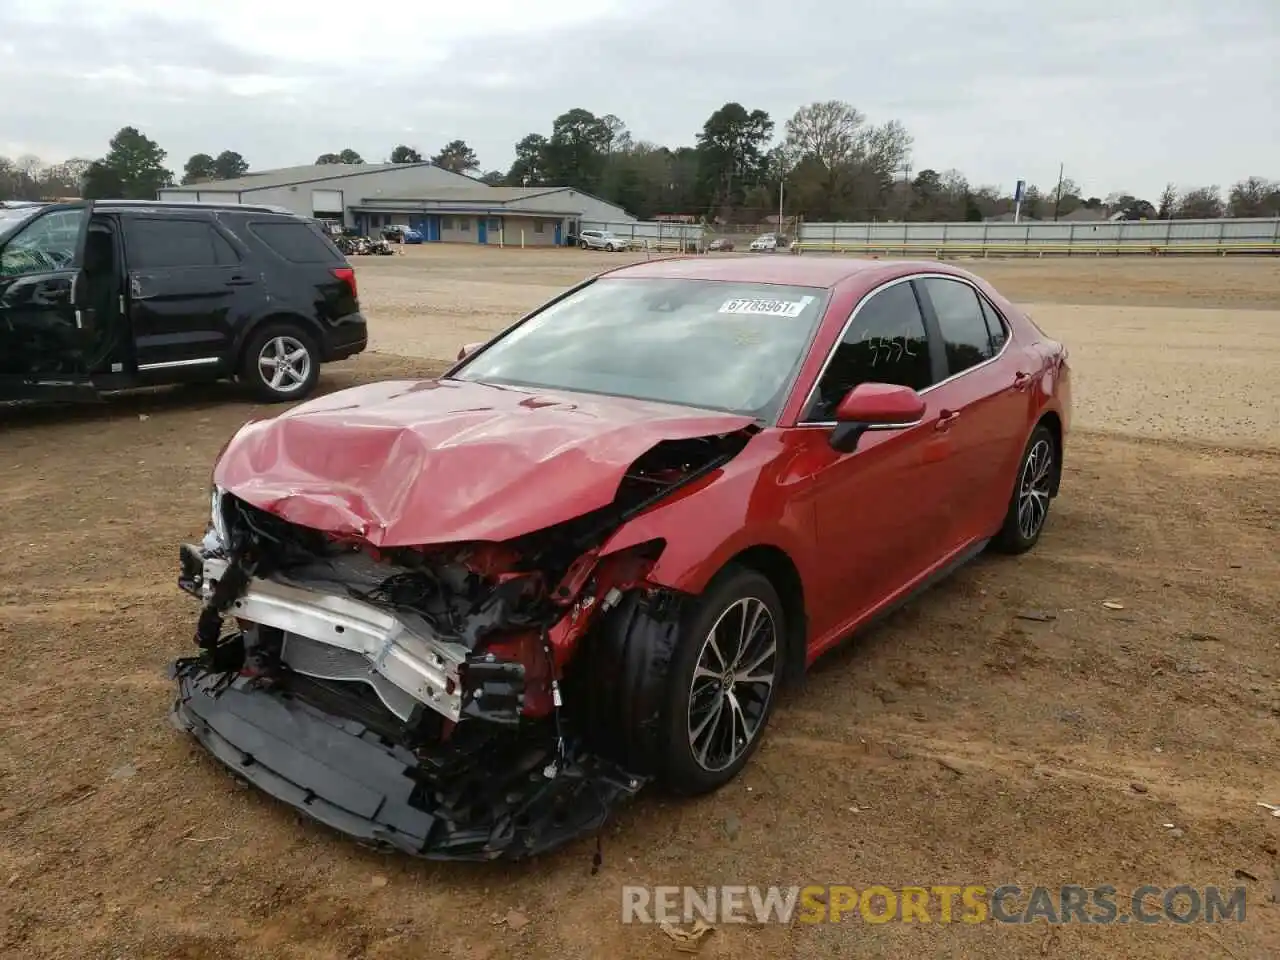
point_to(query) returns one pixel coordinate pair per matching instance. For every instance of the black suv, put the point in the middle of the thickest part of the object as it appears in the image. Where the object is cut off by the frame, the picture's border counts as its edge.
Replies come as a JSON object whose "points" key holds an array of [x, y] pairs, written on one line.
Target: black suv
{"points": [[113, 294]]}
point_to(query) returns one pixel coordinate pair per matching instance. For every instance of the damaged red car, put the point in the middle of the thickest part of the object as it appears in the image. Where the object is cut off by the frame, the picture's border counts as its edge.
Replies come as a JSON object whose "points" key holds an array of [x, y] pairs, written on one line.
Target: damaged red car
{"points": [[464, 617]]}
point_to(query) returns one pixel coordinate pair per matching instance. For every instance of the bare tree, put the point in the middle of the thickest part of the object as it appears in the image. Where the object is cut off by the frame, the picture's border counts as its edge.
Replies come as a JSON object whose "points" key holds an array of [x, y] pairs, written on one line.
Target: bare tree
{"points": [[1202, 203], [829, 132], [1168, 202], [1254, 197]]}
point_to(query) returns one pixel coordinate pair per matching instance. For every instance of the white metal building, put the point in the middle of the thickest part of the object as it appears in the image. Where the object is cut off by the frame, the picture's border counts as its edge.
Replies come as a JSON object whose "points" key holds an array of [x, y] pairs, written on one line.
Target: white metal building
{"points": [[443, 206]]}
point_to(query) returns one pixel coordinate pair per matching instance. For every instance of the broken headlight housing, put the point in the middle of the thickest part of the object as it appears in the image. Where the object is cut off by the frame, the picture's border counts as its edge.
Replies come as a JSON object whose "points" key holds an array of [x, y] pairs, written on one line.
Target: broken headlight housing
{"points": [[217, 532]]}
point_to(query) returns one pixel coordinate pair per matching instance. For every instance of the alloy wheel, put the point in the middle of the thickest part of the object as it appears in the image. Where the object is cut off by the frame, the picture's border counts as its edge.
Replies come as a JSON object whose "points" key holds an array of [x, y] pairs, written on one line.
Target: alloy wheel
{"points": [[732, 684], [284, 363], [1033, 489]]}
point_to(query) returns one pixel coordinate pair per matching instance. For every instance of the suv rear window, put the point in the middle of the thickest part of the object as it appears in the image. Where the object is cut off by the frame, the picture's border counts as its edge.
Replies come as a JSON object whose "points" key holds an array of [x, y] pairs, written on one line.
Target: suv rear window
{"points": [[296, 241]]}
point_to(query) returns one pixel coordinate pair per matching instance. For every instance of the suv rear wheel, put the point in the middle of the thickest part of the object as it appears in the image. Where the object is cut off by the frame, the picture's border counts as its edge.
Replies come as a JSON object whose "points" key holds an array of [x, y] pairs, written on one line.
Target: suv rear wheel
{"points": [[281, 363]]}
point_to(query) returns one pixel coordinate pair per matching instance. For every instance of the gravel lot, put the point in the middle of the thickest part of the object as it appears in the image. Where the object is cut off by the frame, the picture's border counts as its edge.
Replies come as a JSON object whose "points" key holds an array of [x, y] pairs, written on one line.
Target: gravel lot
{"points": [[976, 745]]}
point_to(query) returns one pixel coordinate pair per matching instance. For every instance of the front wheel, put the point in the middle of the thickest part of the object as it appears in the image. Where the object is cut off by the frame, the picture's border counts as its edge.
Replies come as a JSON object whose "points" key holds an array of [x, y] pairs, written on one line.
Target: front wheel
{"points": [[281, 363], [583, 244], [1029, 506]]}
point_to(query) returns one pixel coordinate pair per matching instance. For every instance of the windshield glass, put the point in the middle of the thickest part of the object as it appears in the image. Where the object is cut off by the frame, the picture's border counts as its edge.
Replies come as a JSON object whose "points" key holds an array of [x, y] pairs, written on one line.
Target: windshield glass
{"points": [[719, 345]]}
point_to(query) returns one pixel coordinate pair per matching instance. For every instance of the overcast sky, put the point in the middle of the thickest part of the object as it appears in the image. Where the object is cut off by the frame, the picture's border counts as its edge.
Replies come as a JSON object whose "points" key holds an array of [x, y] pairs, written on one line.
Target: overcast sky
{"points": [[1127, 93]]}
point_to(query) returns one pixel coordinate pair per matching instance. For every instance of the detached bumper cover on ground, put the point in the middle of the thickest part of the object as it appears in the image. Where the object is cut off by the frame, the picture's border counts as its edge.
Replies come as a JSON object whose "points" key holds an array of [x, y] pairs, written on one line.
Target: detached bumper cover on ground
{"points": [[482, 801]]}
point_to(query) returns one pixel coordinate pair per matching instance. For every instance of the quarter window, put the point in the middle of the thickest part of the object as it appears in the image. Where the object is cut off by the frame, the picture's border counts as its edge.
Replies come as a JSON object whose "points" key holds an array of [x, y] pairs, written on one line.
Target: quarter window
{"points": [[47, 243], [960, 319], [995, 325], [885, 343]]}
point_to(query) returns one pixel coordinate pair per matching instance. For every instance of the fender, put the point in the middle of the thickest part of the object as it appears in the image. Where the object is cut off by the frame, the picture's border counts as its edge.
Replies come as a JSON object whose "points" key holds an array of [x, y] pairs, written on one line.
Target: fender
{"points": [[748, 505]]}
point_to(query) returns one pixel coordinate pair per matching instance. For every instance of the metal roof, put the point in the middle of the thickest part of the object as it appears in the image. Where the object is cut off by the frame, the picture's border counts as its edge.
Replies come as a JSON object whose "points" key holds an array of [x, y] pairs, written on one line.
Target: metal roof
{"points": [[288, 176]]}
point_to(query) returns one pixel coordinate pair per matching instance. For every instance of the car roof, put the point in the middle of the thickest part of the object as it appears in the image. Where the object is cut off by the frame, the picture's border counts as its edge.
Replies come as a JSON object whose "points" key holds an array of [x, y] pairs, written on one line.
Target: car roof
{"points": [[807, 271]]}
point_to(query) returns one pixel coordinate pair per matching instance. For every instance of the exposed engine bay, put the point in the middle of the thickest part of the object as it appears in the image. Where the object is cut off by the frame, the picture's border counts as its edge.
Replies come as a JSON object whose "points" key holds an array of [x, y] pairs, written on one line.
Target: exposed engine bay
{"points": [[434, 699]]}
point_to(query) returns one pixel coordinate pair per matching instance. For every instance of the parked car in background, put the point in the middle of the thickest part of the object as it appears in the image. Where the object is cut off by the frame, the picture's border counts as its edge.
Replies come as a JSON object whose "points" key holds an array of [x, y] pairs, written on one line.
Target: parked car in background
{"points": [[768, 243], [462, 617], [720, 243], [602, 240], [108, 295], [398, 233]]}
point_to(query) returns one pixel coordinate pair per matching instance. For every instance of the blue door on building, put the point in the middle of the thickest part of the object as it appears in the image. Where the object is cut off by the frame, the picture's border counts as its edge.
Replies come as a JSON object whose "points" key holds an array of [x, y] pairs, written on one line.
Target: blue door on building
{"points": [[482, 230], [429, 227], [559, 233]]}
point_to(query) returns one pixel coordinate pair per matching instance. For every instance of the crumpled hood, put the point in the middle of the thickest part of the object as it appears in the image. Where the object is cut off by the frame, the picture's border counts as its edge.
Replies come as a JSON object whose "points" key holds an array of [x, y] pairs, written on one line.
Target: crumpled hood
{"points": [[403, 463]]}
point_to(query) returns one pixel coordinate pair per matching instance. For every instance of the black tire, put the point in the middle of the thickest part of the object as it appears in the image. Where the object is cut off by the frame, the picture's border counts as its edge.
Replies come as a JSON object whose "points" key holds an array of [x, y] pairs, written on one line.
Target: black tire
{"points": [[1032, 494], [583, 244], [635, 684], [270, 338]]}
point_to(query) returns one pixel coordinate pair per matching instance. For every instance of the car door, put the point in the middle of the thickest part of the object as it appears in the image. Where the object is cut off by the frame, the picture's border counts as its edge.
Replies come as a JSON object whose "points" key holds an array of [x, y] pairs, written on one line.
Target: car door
{"points": [[45, 335], [983, 402], [185, 276], [880, 510]]}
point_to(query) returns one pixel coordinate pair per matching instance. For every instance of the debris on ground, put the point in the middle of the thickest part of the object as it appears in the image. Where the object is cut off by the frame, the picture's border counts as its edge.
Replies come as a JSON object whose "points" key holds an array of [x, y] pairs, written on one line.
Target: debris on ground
{"points": [[512, 920], [688, 941], [732, 826], [1138, 788], [1244, 875], [1113, 604], [1275, 810], [1040, 616]]}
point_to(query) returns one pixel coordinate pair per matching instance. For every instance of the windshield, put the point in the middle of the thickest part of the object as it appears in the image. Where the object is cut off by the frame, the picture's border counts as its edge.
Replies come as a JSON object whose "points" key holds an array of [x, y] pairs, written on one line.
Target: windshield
{"points": [[720, 345]]}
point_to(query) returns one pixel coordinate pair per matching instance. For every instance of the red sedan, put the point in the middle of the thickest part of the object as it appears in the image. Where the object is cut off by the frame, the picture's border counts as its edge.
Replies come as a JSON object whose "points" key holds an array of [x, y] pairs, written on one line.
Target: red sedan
{"points": [[466, 615]]}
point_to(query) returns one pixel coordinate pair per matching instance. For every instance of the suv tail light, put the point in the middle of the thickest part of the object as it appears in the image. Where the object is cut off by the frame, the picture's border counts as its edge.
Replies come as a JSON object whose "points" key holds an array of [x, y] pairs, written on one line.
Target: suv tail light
{"points": [[349, 275]]}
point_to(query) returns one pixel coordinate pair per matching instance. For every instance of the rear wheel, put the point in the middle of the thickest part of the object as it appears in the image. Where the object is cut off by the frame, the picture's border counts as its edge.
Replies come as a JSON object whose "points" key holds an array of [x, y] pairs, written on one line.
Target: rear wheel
{"points": [[281, 363], [1029, 506]]}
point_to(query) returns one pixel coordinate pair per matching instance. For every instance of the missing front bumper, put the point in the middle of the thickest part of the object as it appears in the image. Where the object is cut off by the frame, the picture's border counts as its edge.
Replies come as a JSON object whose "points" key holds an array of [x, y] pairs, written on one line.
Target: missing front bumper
{"points": [[496, 795]]}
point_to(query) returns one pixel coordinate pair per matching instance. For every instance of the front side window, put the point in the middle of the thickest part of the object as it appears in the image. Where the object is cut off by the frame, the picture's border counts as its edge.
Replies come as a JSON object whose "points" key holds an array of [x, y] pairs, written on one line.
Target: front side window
{"points": [[885, 343], [960, 319], [717, 345], [44, 244]]}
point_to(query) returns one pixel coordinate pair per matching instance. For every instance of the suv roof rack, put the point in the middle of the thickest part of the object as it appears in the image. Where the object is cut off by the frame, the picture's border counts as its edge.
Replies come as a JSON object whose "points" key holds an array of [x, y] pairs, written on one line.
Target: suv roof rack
{"points": [[200, 204]]}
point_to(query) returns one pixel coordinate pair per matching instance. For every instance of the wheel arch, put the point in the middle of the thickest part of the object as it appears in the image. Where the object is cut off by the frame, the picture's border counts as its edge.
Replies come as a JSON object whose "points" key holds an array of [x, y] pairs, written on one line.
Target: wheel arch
{"points": [[308, 324], [1051, 421], [776, 565]]}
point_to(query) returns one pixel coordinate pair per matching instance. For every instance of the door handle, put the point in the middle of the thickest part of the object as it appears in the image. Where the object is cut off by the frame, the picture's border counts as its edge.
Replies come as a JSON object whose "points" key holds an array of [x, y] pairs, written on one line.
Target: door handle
{"points": [[240, 282], [1021, 380], [947, 419]]}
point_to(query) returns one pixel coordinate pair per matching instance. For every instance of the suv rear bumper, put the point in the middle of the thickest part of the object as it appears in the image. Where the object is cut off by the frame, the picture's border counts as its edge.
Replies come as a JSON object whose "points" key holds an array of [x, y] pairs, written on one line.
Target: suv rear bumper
{"points": [[347, 337]]}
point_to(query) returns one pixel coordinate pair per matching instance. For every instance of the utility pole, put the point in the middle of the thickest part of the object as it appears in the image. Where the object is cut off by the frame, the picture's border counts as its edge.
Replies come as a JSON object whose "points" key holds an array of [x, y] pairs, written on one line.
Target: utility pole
{"points": [[1057, 197]]}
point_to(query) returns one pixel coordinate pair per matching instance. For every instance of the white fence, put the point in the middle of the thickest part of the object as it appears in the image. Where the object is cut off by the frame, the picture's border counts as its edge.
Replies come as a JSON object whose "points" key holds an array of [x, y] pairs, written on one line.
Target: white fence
{"points": [[654, 234], [1237, 236]]}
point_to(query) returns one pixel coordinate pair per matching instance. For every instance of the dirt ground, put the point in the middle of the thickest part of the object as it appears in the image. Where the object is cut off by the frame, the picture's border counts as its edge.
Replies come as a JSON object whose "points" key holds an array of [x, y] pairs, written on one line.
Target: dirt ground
{"points": [[1005, 728]]}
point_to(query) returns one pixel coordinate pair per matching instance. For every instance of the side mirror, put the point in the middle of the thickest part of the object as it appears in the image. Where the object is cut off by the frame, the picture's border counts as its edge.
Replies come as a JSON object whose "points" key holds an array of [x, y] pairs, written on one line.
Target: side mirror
{"points": [[874, 406], [468, 349]]}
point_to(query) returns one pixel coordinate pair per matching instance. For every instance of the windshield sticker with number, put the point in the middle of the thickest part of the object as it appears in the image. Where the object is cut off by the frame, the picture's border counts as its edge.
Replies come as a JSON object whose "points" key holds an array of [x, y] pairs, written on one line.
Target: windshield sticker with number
{"points": [[772, 308]]}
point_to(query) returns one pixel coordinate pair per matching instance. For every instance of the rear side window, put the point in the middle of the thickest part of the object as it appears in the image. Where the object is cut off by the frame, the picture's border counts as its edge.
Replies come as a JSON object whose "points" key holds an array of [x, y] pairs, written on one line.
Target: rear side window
{"points": [[885, 343], [165, 242], [960, 318], [296, 241]]}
